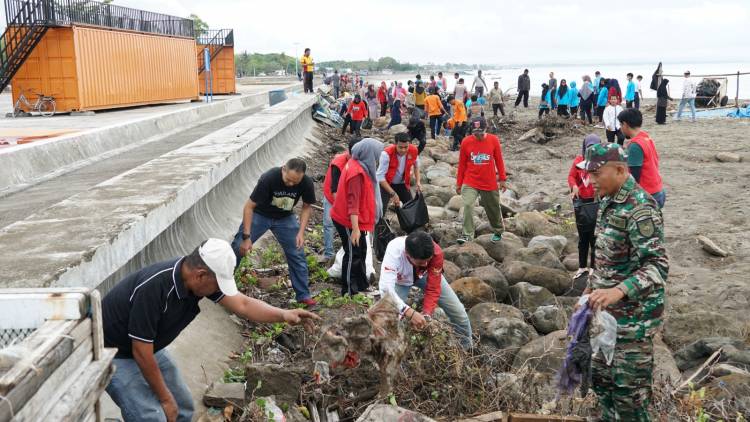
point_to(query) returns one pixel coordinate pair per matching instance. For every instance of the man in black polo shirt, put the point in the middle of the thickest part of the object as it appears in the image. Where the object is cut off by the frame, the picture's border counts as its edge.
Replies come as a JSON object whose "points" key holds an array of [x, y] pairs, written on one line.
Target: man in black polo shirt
{"points": [[148, 309], [270, 208]]}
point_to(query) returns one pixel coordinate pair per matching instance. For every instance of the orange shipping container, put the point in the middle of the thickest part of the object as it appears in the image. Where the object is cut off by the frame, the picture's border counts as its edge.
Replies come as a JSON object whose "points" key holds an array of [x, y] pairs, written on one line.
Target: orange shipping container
{"points": [[92, 69], [222, 70]]}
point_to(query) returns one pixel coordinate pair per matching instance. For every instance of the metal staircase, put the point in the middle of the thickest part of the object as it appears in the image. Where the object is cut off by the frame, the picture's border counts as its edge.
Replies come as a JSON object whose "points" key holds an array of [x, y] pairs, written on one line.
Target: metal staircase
{"points": [[21, 35], [215, 41]]}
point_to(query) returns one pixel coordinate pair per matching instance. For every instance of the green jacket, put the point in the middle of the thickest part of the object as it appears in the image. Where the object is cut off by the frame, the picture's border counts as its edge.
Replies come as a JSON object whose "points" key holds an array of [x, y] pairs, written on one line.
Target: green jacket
{"points": [[630, 255]]}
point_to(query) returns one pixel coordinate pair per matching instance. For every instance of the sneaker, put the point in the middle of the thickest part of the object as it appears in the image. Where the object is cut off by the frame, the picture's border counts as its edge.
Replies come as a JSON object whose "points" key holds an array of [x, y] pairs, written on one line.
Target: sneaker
{"points": [[463, 239], [581, 272], [496, 238], [309, 302]]}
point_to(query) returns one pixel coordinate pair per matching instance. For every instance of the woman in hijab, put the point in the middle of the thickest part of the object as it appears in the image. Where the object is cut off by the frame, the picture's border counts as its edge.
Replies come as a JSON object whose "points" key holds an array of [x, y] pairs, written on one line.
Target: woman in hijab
{"points": [[372, 101], [562, 99], [585, 206], [662, 100], [356, 208], [545, 101], [383, 98], [586, 94]]}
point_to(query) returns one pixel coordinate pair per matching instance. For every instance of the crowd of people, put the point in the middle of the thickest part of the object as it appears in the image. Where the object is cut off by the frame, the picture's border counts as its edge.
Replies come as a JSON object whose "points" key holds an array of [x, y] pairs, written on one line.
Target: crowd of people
{"points": [[615, 186]]}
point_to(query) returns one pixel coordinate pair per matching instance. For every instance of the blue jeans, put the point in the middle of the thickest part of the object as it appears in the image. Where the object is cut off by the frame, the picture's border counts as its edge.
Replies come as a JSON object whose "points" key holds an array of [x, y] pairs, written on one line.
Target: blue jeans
{"points": [[660, 197], [449, 303], [137, 401], [285, 231], [688, 101], [328, 230]]}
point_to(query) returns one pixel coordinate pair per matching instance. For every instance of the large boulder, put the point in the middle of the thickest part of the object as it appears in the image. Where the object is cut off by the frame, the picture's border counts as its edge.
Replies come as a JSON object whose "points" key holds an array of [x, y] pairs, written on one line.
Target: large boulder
{"points": [[555, 243], [220, 394], [540, 256], [274, 380], [444, 181], [543, 354], [482, 313], [446, 232], [506, 334], [548, 318], [665, 367], [534, 223], [527, 297], [556, 281], [450, 157], [468, 255], [509, 206], [434, 201], [471, 291], [681, 329], [386, 412], [438, 171], [435, 213], [536, 201], [444, 193], [507, 246], [396, 129], [695, 353], [451, 271], [455, 203], [494, 278], [571, 262]]}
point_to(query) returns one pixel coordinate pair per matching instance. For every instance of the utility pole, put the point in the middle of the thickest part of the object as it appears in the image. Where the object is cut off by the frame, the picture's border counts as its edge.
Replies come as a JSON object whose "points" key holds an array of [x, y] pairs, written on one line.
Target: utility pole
{"points": [[296, 60]]}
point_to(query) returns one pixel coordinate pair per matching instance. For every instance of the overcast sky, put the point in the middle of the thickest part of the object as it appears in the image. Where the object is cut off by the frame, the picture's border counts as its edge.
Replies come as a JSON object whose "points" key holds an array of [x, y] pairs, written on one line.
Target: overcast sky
{"points": [[487, 32]]}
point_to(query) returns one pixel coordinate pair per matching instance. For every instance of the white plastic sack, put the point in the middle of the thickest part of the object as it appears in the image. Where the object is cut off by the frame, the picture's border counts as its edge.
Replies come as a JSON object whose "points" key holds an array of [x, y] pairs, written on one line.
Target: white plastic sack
{"points": [[335, 270], [607, 337]]}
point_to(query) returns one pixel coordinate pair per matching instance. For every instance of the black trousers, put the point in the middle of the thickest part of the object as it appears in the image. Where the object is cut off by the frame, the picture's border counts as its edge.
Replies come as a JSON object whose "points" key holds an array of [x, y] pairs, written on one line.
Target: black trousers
{"points": [[586, 241], [637, 101], [562, 110], [383, 109], [585, 109], [435, 124], [404, 195], [308, 81], [600, 113], [618, 133], [628, 104], [353, 269], [525, 95], [543, 111], [553, 97], [496, 107], [458, 132]]}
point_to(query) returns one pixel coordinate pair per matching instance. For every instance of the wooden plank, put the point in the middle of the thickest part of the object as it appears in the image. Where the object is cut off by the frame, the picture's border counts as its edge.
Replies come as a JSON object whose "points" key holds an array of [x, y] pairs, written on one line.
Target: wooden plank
{"points": [[96, 326], [30, 308], [56, 385], [81, 332], [488, 417], [85, 391]]}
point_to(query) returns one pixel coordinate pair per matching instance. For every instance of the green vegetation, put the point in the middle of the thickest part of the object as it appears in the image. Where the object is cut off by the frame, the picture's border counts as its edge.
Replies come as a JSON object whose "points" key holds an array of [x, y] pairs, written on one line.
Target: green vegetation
{"points": [[234, 375], [199, 25], [330, 299], [254, 64]]}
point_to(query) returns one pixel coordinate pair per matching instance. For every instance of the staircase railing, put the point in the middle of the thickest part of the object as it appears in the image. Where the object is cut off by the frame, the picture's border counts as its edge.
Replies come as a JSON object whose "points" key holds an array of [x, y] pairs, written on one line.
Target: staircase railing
{"points": [[215, 40], [25, 29]]}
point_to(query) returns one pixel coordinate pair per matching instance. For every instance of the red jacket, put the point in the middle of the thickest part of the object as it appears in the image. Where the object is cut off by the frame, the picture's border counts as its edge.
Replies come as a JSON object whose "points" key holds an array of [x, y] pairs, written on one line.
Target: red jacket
{"points": [[650, 178], [411, 158], [480, 163], [339, 161], [382, 95], [340, 210], [433, 287], [580, 177], [357, 111]]}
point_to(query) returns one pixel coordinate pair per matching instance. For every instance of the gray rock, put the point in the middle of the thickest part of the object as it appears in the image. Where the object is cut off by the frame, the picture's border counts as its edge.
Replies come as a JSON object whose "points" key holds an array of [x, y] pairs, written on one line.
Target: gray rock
{"points": [[435, 213], [709, 246], [434, 201], [447, 232], [555, 243], [533, 135], [385, 412], [444, 182], [275, 380], [548, 318], [556, 281], [482, 313], [536, 201], [478, 212], [484, 228], [728, 157], [221, 394], [494, 278], [698, 351], [451, 271], [506, 334], [681, 329], [534, 223], [450, 157], [425, 162], [443, 193], [540, 256], [471, 291], [571, 262], [396, 129], [527, 297], [437, 171], [508, 246], [455, 203], [468, 255], [509, 206], [665, 366], [544, 354], [734, 388]]}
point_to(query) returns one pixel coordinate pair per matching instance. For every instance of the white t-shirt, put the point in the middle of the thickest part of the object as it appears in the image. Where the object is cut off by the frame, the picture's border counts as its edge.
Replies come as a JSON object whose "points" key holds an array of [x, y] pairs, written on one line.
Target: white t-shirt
{"points": [[479, 81], [395, 269], [610, 117], [689, 88]]}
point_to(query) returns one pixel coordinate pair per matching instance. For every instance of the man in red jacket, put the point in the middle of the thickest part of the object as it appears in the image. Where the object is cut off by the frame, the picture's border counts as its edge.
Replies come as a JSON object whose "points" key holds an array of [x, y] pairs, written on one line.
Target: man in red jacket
{"points": [[396, 165], [481, 172], [643, 160], [357, 111]]}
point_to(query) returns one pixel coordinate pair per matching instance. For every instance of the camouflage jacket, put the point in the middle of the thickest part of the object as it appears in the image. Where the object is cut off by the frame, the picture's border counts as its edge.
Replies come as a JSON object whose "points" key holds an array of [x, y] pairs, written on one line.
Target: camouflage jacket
{"points": [[630, 255]]}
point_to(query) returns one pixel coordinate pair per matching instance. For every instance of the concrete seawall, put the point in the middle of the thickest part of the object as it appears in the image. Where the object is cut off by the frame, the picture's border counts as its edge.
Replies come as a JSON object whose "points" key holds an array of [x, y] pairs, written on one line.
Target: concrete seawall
{"points": [[157, 210], [27, 164]]}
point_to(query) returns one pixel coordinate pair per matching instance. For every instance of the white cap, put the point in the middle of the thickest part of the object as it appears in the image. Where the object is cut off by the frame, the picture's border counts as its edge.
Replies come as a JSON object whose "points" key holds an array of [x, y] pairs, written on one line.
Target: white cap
{"points": [[220, 258]]}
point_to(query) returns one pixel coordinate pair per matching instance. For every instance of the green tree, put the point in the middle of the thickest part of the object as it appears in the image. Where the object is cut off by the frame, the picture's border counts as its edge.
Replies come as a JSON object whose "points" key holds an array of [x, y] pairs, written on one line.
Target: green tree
{"points": [[200, 26]]}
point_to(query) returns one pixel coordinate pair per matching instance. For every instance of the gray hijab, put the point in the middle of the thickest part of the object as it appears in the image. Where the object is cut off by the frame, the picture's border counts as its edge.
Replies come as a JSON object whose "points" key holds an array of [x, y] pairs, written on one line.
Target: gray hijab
{"points": [[586, 90], [589, 140], [366, 152]]}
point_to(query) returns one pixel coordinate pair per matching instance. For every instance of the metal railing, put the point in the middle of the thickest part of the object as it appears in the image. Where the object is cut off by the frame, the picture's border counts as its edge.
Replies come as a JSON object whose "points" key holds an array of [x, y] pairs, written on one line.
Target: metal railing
{"points": [[215, 37], [88, 12]]}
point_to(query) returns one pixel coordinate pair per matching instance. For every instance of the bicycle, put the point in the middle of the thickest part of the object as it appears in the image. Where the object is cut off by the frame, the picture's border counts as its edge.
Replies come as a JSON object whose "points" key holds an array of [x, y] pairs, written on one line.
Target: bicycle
{"points": [[45, 105]]}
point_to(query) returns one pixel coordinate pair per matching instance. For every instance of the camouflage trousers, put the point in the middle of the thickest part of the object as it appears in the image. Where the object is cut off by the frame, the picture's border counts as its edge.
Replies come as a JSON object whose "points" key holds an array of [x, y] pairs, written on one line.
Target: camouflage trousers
{"points": [[624, 388]]}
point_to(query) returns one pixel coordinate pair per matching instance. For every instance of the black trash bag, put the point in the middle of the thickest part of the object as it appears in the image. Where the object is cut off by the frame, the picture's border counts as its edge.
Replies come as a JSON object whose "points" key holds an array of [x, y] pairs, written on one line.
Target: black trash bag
{"points": [[413, 214], [586, 214], [367, 124], [383, 236]]}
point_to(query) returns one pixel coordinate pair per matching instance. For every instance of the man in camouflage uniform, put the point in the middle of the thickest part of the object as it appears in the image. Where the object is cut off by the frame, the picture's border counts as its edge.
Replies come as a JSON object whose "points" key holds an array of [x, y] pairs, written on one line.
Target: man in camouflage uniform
{"points": [[629, 282]]}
